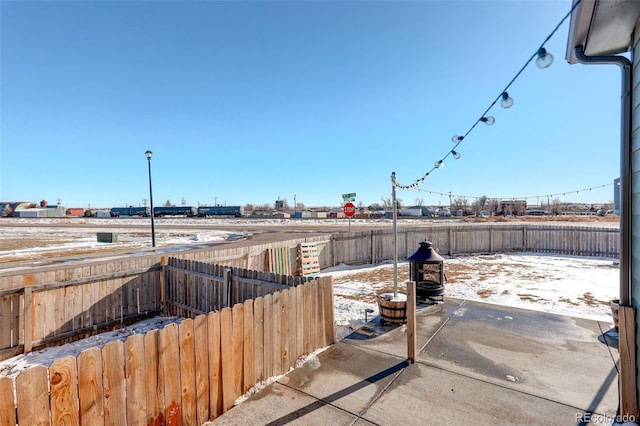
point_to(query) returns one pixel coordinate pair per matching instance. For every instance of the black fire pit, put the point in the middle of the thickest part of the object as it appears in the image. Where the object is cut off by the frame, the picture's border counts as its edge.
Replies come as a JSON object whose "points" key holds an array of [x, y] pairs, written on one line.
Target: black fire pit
{"points": [[426, 268]]}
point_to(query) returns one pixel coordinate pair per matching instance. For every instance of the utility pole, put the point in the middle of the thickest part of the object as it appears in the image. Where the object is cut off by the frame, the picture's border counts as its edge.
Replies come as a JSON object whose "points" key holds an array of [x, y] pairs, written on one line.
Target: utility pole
{"points": [[215, 201], [294, 203]]}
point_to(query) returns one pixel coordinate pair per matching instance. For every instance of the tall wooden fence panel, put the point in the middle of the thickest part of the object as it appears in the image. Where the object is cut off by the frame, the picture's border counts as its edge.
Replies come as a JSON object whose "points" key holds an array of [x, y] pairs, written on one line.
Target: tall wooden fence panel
{"points": [[186, 373], [453, 239], [195, 287], [55, 305]]}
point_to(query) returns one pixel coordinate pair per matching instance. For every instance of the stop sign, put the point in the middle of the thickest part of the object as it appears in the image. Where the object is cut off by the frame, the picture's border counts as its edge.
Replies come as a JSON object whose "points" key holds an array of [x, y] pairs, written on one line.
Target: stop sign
{"points": [[349, 209]]}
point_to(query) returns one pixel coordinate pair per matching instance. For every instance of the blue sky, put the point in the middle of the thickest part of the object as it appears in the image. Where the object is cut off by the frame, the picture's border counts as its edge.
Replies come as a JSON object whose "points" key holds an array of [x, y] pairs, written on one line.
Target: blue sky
{"points": [[247, 102]]}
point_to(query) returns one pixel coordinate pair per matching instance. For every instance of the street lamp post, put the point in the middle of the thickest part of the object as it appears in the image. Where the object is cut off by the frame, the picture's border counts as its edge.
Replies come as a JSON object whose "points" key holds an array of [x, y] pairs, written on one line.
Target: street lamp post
{"points": [[148, 154]]}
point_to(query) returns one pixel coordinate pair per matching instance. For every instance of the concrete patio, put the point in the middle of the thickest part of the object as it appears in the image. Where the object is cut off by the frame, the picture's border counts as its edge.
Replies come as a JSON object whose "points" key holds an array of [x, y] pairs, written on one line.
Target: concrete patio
{"points": [[477, 364]]}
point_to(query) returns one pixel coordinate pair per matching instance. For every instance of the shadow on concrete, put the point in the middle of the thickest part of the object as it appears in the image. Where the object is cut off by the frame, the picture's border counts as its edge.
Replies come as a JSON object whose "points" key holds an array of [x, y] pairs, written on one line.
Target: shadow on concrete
{"points": [[338, 395]]}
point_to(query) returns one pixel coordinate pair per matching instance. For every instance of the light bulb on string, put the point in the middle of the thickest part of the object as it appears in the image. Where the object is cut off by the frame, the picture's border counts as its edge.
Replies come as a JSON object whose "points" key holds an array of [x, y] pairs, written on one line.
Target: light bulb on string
{"points": [[507, 101], [439, 164], [456, 155], [456, 138], [488, 120], [544, 59]]}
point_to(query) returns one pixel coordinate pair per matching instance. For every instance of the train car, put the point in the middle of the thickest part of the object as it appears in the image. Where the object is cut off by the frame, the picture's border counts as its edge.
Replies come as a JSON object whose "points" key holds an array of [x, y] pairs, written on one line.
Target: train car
{"points": [[188, 211], [235, 211], [130, 211]]}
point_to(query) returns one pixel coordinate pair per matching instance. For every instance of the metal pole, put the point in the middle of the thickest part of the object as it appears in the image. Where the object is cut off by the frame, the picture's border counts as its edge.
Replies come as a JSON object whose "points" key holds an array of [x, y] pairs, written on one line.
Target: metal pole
{"points": [[153, 229], [625, 166], [395, 236]]}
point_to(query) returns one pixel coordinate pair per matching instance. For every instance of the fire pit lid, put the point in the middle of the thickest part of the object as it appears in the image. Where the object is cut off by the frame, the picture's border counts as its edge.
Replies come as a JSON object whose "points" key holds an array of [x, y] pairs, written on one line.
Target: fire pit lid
{"points": [[425, 253]]}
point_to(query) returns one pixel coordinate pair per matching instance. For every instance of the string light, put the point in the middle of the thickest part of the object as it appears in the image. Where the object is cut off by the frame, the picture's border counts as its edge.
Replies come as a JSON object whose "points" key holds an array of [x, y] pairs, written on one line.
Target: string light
{"points": [[543, 60], [488, 120], [517, 198], [507, 101], [456, 155]]}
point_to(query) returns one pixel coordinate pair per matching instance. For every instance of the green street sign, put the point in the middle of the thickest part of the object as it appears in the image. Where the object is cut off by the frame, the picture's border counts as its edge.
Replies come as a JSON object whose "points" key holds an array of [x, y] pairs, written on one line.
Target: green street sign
{"points": [[352, 195]]}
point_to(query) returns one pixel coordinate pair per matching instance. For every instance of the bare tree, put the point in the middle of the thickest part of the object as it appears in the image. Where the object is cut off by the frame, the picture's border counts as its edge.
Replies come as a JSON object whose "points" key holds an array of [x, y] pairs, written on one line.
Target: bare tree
{"points": [[556, 206], [460, 203], [249, 208], [386, 203], [493, 205], [479, 204], [419, 201]]}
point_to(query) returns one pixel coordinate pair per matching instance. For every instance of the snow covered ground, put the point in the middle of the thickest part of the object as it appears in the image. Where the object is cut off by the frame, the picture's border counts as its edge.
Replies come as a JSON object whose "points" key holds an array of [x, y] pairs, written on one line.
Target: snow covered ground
{"points": [[574, 286]]}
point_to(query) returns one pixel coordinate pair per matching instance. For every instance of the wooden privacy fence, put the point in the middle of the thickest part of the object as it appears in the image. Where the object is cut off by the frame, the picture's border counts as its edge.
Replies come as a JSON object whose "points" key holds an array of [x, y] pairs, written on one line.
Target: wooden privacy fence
{"points": [[377, 246], [55, 305], [194, 288], [51, 305], [186, 373]]}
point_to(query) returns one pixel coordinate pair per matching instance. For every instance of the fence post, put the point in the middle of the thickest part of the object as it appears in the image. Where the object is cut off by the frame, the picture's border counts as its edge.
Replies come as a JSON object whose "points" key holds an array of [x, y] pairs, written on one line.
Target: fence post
{"points": [[372, 242], [164, 284], [411, 321], [490, 238], [226, 288], [29, 280]]}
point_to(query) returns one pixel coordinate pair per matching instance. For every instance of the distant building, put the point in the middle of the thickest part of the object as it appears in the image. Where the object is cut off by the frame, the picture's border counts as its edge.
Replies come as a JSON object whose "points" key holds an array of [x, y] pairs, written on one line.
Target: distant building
{"points": [[513, 207]]}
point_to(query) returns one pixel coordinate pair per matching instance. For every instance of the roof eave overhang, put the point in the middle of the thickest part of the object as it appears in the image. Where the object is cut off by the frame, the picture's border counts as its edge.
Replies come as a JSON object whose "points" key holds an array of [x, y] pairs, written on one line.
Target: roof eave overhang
{"points": [[602, 27]]}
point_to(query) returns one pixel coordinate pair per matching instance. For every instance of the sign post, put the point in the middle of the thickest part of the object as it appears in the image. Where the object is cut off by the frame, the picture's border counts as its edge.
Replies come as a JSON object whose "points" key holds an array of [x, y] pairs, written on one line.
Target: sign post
{"points": [[349, 211]]}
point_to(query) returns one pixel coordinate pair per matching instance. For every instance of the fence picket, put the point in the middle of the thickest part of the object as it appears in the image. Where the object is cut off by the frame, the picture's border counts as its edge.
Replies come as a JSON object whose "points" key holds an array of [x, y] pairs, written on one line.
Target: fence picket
{"points": [[200, 337], [7, 405], [237, 313], [90, 388], [187, 372], [153, 380], [216, 406], [135, 379], [64, 391], [32, 395], [226, 350], [170, 359], [247, 345], [276, 335], [115, 405], [258, 339]]}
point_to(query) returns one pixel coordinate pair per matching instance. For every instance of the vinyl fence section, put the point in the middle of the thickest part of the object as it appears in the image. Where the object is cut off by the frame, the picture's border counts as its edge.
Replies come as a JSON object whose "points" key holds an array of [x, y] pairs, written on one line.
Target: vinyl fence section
{"points": [[186, 373]]}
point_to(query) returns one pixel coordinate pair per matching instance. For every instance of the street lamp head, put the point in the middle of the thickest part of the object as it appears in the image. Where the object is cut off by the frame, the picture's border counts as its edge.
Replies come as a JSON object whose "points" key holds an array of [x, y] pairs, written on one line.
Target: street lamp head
{"points": [[148, 154]]}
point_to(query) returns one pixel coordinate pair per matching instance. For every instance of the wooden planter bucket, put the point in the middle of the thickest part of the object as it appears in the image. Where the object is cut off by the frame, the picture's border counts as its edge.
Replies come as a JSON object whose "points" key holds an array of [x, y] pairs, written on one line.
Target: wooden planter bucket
{"points": [[615, 307], [392, 311]]}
